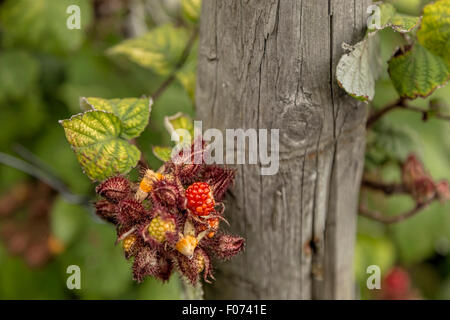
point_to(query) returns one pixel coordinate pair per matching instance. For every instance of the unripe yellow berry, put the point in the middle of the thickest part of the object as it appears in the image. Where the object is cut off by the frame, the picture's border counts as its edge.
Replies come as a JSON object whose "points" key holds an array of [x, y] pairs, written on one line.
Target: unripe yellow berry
{"points": [[158, 228], [128, 242]]}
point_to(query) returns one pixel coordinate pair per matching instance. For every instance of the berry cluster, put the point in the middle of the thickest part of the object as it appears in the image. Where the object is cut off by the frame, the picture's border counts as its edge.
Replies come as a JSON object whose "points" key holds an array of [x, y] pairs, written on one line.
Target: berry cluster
{"points": [[170, 219]]}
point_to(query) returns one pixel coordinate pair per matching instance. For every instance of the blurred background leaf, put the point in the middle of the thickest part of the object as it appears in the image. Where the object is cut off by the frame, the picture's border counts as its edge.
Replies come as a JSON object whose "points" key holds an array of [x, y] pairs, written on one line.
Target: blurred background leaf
{"points": [[44, 69]]}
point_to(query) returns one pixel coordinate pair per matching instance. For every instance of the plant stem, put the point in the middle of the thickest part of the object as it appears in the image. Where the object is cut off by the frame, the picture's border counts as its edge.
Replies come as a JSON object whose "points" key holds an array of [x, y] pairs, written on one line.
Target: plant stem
{"points": [[378, 114], [401, 103], [375, 215]]}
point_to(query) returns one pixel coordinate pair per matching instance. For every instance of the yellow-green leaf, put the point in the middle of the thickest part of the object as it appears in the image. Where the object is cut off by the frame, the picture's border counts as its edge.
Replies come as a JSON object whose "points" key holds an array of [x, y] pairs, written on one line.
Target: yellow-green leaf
{"points": [[42, 24], [417, 72], [95, 136], [158, 50], [434, 33], [191, 9], [389, 17], [133, 112], [162, 153]]}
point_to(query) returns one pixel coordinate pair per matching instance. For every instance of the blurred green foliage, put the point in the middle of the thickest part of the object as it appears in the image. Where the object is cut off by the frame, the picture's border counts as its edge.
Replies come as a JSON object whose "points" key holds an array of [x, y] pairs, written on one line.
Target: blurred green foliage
{"points": [[420, 244], [44, 69]]}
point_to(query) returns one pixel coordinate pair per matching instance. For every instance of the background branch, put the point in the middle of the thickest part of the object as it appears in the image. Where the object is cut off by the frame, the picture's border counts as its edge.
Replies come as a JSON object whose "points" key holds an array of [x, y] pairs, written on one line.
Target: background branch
{"points": [[387, 188], [375, 215], [41, 174], [402, 104]]}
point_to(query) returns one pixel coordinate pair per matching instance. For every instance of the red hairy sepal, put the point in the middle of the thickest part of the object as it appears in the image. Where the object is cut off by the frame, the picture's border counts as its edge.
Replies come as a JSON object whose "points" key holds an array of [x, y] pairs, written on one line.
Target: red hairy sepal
{"points": [[131, 212], [168, 193], [191, 268], [224, 246], [423, 189], [114, 189], [220, 179], [165, 268], [149, 262], [188, 167], [107, 211], [145, 263], [207, 268]]}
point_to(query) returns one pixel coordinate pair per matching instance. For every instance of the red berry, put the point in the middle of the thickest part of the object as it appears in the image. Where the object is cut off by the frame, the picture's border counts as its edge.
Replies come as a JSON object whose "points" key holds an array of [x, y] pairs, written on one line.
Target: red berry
{"points": [[200, 198], [397, 281]]}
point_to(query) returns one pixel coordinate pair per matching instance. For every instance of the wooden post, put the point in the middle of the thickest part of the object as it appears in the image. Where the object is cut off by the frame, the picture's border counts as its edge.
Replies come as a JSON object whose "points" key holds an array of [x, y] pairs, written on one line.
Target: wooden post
{"points": [[270, 64]]}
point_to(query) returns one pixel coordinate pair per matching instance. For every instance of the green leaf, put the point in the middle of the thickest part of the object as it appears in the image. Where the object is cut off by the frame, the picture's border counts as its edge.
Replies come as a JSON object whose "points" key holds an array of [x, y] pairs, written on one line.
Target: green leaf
{"points": [[389, 17], [430, 226], [133, 112], [158, 50], [162, 153], [179, 121], [434, 33], [95, 136], [358, 69], [417, 72], [413, 7], [19, 71], [191, 9], [41, 24]]}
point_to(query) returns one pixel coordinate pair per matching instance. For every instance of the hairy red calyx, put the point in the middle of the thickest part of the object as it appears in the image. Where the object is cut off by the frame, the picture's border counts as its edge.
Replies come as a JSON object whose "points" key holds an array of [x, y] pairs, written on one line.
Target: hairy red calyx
{"points": [[114, 189], [420, 184], [169, 220]]}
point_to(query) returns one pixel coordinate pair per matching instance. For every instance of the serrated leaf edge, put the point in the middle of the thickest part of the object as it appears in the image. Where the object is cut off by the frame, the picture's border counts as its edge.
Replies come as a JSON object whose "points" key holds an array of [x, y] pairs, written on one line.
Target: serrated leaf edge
{"points": [[415, 96], [73, 148]]}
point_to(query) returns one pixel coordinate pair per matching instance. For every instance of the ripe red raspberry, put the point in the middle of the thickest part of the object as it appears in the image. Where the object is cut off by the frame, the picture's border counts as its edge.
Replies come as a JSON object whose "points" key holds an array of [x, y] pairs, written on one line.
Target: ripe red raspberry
{"points": [[200, 198]]}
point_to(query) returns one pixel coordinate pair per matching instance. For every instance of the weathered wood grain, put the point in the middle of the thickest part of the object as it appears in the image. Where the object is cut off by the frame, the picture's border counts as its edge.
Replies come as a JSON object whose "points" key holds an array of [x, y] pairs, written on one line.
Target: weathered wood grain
{"points": [[270, 64]]}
